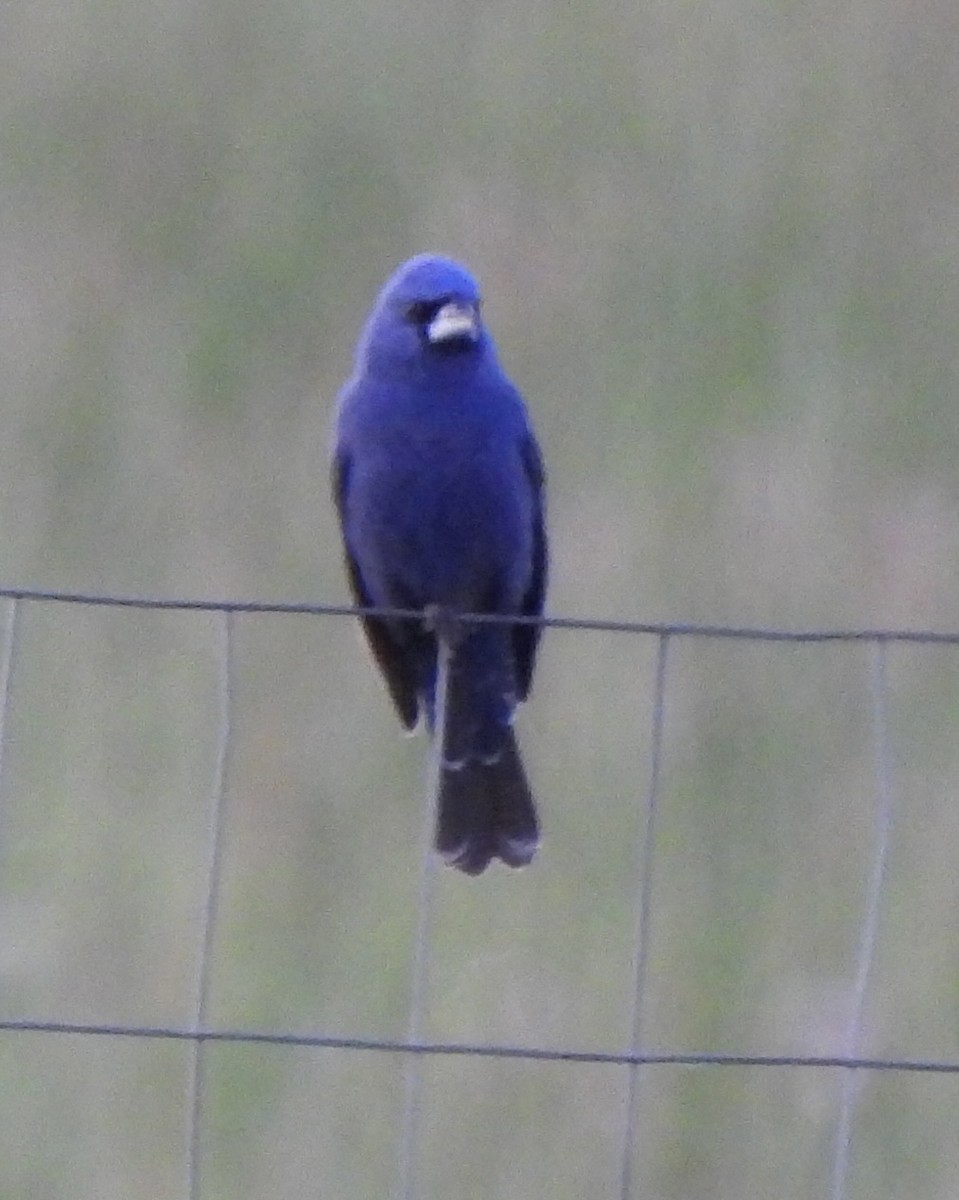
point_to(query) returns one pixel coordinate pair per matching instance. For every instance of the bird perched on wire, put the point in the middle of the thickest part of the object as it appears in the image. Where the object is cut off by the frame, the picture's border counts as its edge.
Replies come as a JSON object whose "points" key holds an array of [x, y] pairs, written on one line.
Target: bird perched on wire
{"points": [[439, 484]]}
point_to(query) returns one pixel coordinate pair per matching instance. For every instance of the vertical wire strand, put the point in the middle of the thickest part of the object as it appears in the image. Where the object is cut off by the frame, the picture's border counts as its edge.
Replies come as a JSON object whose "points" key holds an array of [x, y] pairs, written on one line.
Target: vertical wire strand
{"points": [[870, 924], [419, 975], [7, 653], [644, 905], [208, 918]]}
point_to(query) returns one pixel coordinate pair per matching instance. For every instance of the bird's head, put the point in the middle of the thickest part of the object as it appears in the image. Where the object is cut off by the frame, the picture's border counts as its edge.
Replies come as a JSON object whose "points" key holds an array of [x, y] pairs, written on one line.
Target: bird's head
{"points": [[428, 311]]}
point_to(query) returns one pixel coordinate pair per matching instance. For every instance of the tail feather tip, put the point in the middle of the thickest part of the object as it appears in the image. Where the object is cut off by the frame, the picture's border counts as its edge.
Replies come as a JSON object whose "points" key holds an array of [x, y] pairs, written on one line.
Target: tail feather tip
{"points": [[474, 854]]}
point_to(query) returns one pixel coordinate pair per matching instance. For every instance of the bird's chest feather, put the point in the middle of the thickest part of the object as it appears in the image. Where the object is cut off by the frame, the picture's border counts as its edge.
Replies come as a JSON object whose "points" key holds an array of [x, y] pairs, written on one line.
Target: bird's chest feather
{"points": [[447, 505]]}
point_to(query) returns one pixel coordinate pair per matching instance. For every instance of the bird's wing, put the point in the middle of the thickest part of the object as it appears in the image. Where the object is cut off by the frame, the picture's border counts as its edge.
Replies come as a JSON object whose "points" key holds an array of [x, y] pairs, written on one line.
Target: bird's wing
{"points": [[389, 654], [526, 637]]}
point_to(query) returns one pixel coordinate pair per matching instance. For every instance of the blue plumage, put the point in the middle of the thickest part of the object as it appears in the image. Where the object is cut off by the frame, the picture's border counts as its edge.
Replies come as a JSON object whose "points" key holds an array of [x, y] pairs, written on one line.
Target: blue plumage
{"points": [[439, 485]]}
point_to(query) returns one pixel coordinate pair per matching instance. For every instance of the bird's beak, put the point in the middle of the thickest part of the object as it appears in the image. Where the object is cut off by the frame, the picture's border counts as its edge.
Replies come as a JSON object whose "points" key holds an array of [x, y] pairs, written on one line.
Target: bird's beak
{"points": [[454, 321]]}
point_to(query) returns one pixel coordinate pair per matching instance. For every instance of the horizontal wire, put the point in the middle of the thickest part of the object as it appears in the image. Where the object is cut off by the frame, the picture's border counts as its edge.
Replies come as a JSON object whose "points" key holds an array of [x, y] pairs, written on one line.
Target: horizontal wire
{"points": [[478, 1050], [599, 625]]}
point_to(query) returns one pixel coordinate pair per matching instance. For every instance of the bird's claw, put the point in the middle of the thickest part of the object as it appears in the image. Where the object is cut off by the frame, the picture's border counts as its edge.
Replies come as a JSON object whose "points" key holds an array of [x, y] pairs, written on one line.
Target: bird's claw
{"points": [[445, 623]]}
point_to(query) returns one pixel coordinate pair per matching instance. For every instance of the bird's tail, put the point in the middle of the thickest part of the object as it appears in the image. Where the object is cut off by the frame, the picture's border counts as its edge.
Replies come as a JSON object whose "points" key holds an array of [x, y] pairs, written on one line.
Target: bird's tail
{"points": [[486, 811]]}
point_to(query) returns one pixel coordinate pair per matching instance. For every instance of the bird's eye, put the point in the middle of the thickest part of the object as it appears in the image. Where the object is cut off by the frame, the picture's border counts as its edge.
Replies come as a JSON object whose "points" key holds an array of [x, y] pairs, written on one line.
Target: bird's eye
{"points": [[421, 312]]}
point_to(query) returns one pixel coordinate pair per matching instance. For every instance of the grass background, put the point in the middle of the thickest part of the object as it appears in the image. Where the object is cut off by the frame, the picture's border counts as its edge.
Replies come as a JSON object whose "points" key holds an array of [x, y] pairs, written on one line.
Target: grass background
{"points": [[719, 243]]}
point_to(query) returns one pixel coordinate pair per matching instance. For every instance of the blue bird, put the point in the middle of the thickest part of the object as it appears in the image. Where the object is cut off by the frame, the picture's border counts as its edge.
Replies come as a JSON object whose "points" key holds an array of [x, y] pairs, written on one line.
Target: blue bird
{"points": [[439, 485]]}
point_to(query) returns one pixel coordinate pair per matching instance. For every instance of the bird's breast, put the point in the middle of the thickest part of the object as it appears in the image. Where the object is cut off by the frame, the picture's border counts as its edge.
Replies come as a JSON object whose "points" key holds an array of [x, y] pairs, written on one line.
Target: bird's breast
{"points": [[450, 519]]}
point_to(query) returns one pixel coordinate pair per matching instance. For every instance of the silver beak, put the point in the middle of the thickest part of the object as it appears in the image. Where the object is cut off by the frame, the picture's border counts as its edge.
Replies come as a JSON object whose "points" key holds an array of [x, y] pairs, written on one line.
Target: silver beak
{"points": [[454, 320]]}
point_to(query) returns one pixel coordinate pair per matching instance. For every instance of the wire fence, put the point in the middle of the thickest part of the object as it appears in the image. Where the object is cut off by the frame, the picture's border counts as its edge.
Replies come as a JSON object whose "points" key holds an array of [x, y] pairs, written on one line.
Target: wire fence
{"points": [[637, 1057]]}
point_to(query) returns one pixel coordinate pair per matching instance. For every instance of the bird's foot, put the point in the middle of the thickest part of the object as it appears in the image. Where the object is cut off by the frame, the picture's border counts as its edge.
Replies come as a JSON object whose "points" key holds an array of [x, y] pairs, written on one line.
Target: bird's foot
{"points": [[445, 623]]}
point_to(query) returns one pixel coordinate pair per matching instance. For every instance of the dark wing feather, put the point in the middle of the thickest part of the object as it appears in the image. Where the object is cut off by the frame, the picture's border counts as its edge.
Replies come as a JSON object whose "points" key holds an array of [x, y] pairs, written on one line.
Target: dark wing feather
{"points": [[526, 637], [393, 661]]}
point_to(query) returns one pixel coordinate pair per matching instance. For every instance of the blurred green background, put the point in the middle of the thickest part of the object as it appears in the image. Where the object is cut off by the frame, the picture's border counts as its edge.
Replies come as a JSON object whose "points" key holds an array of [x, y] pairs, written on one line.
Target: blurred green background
{"points": [[720, 248]]}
